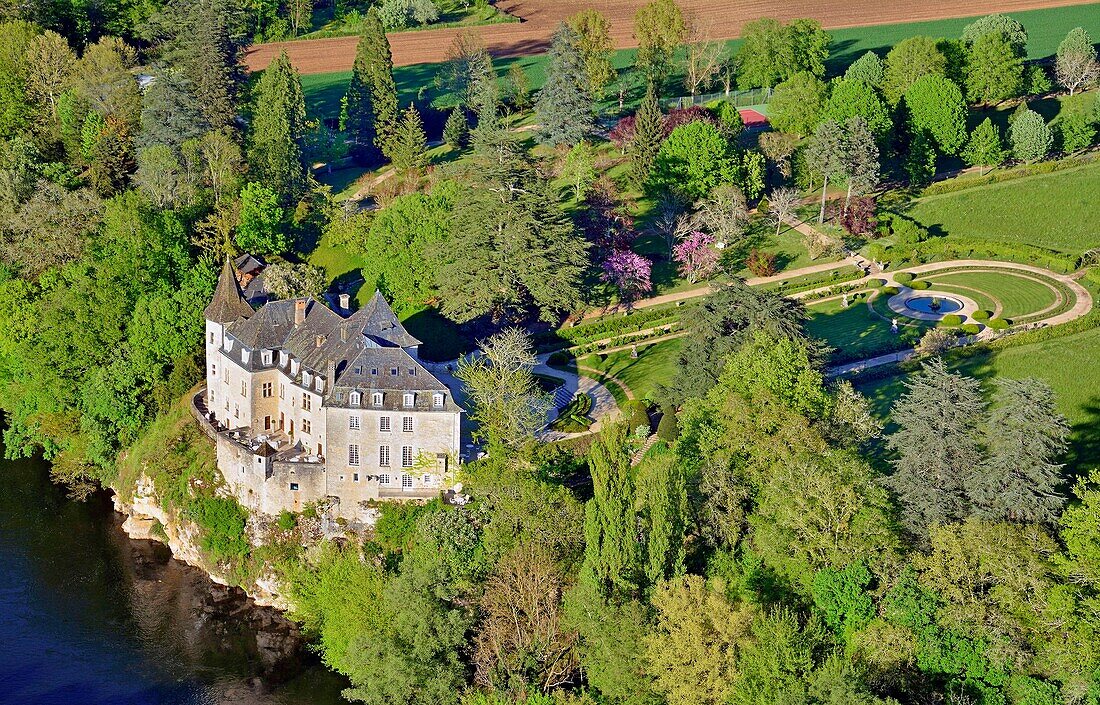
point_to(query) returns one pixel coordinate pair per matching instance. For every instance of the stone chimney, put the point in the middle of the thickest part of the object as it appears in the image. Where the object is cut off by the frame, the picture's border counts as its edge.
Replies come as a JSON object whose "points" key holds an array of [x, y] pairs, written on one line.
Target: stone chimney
{"points": [[320, 340], [345, 302], [330, 373], [299, 312], [343, 334]]}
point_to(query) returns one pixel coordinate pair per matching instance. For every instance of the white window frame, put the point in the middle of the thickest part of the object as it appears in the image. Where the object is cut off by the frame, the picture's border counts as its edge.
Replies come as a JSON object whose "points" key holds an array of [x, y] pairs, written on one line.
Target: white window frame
{"points": [[408, 456], [354, 423], [406, 481], [355, 398], [266, 357], [406, 424], [438, 400], [384, 456], [408, 400], [353, 454], [384, 425], [384, 478], [376, 399]]}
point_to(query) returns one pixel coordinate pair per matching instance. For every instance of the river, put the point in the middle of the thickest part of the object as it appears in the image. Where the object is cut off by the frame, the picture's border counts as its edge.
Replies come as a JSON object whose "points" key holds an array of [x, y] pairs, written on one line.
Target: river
{"points": [[89, 616]]}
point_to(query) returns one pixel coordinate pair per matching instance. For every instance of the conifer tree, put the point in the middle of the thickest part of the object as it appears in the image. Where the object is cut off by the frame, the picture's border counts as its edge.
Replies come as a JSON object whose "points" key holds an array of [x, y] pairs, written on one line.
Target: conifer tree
{"points": [[826, 156], [1026, 435], [456, 131], [409, 143], [564, 107], [868, 68], [861, 158], [662, 514], [378, 66], [985, 148], [278, 125], [937, 445], [611, 547], [648, 132]]}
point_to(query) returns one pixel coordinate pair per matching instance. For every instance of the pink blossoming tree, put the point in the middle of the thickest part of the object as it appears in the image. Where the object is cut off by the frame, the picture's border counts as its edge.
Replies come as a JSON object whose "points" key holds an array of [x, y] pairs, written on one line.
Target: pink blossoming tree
{"points": [[629, 272], [697, 256]]}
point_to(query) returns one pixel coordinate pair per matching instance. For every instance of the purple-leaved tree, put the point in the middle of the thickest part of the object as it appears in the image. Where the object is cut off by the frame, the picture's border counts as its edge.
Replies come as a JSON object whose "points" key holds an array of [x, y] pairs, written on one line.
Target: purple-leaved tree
{"points": [[629, 272], [697, 256]]}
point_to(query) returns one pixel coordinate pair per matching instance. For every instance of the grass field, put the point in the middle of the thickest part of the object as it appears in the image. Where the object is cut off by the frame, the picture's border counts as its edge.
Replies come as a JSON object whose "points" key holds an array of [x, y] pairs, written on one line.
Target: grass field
{"points": [[1018, 295], [855, 332], [1058, 211], [1070, 365], [654, 366], [1046, 28]]}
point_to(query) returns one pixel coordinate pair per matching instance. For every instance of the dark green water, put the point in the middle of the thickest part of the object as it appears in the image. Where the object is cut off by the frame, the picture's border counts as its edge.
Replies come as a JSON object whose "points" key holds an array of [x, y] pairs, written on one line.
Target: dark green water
{"points": [[89, 616]]}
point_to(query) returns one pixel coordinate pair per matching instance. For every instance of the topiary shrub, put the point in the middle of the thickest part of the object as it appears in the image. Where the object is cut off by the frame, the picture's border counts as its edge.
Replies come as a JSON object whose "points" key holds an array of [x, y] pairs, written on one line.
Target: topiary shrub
{"points": [[889, 290], [998, 323], [636, 414], [668, 429], [920, 285], [951, 320], [971, 328], [982, 315], [559, 359], [904, 278]]}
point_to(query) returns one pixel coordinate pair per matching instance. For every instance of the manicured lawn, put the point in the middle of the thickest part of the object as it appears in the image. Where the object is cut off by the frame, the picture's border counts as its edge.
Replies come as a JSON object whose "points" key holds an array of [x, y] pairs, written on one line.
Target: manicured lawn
{"points": [[1070, 365], [655, 365], [855, 332], [1018, 295], [1057, 211]]}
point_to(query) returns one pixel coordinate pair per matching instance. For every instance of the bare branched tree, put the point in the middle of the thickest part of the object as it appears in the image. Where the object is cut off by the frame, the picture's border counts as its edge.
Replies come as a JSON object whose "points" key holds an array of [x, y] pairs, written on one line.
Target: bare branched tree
{"points": [[724, 214], [782, 205], [703, 57]]}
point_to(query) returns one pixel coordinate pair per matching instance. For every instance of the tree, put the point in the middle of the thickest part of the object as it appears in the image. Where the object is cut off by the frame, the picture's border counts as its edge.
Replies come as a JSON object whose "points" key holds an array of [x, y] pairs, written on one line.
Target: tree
{"points": [[693, 160], [290, 281], [909, 60], [984, 148], [937, 109], [702, 57], [564, 107], [49, 64], [399, 14], [259, 229], [217, 161], [782, 206], [409, 144], [628, 272], [697, 256], [861, 164], [1081, 530], [868, 68], [102, 79], [373, 71], [520, 639], [456, 131], [724, 214], [508, 405], [1077, 125], [797, 104], [937, 445], [612, 552], [1031, 137], [646, 140], [15, 108], [278, 125], [658, 28], [594, 41], [826, 156], [170, 115], [469, 75], [1075, 63], [579, 169], [1012, 30], [111, 158], [300, 13], [935, 341], [1020, 480], [694, 647], [994, 72], [772, 53], [920, 162], [518, 88], [159, 175], [851, 97]]}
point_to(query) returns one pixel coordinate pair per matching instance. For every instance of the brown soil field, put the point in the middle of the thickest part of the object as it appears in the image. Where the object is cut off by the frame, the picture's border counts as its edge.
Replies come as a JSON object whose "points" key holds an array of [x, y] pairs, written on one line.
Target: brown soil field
{"points": [[539, 18]]}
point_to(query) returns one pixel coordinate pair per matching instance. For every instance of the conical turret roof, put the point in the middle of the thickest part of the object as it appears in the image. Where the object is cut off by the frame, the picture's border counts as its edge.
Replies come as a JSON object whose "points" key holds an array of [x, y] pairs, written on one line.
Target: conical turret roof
{"points": [[228, 304]]}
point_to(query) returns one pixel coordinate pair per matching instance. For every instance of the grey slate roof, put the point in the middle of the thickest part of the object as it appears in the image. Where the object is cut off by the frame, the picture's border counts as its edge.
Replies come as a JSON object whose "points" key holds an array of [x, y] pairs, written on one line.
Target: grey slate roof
{"points": [[377, 321], [228, 304]]}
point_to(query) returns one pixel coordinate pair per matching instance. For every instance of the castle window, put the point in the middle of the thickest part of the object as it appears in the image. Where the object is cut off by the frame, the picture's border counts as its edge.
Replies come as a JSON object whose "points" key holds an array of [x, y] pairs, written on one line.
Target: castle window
{"points": [[236, 411], [383, 456], [355, 398], [266, 357], [407, 424], [374, 370], [376, 398], [213, 370], [282, 391], [267, 390], [353, 454], [306, 426], [320, 385], [409, 399], [306, 378], [353, 423], [406, 482], [244, 355], [426, 480], [393, 371], [406, 456], [211, 337], [244, 388], [294, 487], [307, 401], [384, 479], [437, 400], [355, 476], [384, 424], [412, 371]]}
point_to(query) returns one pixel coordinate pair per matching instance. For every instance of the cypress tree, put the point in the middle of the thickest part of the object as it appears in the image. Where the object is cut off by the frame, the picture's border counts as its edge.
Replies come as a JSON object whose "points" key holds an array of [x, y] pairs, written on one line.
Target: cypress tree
{"points": [[564, 107], [937, 446], [378, 64], [456, 131], [278, 125], [648, 133], [611, 549], [662, 512], [409, 143], [1026, 434]]}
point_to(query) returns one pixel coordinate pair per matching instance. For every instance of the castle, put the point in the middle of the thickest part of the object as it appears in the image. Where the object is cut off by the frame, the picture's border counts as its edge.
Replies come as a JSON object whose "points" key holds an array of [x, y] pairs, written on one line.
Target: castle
{"points": [[307, 404]]}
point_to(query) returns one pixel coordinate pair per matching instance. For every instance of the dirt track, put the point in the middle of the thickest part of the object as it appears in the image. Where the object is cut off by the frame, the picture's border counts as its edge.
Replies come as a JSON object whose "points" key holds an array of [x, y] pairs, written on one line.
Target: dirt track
{"points": [[540, 17]]}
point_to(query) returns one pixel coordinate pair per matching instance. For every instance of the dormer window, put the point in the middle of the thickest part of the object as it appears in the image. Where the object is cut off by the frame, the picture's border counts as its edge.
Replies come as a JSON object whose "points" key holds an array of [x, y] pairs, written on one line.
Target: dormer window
{"points": [[394, 371], [437, 400], [320, 385], [374, 370], [412, 371], [358, 370], [244, 355], [294, 365], [409, 399], [284, 357], [306, 378], [355, 399], [267, 357], [376, 399]]}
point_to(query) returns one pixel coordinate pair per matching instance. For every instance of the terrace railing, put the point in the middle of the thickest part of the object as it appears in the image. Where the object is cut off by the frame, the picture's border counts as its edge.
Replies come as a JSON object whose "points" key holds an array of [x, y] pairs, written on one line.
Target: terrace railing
{"points": [[740, 99]]}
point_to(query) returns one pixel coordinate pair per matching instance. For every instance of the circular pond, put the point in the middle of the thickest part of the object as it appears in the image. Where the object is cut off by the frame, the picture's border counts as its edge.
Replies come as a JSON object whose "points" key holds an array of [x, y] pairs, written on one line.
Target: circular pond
{"points": [[941, 305]]}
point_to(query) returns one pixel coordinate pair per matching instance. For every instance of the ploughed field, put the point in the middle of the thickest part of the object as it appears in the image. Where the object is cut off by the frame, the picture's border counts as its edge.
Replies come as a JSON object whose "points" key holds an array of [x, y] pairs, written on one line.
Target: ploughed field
{"points": [[540, 17]]}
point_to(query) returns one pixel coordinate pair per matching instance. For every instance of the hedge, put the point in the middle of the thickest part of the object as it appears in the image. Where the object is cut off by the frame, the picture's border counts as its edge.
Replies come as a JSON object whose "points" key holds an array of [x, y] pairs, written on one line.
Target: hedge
{"points": [[951, 320], [996, 177], [835, 275], [889, 290], [982, 315], [904, 278], [920, 285], [943, 248], [971, 328], [605, 328], [998, 323]]}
